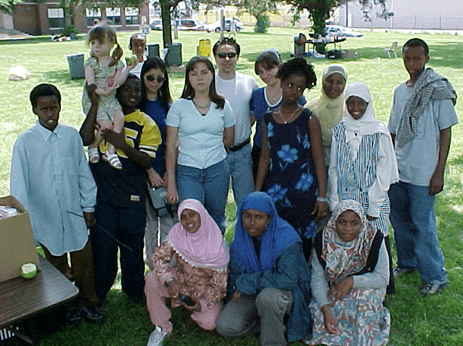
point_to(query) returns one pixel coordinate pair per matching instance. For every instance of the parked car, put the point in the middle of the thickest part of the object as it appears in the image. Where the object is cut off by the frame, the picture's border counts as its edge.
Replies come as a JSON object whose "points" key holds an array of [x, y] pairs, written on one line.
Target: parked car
{"points": [[156, 24], [227, 24], [341, 30], [191, 24]]}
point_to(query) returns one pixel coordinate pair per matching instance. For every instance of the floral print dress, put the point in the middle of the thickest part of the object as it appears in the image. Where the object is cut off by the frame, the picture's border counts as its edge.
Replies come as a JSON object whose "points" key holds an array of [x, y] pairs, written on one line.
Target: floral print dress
{"points": [[291, 180]]}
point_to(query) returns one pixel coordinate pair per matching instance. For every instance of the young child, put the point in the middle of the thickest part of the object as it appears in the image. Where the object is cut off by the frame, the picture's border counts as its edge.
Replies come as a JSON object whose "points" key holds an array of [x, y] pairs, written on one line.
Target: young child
{"points": [[291, 161], [363, 163], [421, 121], [265, 99], [51, 178], [107, 72]]}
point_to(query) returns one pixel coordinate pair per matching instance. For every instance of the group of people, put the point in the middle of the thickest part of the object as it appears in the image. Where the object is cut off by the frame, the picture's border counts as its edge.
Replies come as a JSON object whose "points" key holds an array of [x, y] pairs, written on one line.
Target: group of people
{"points": [[314, 192]]}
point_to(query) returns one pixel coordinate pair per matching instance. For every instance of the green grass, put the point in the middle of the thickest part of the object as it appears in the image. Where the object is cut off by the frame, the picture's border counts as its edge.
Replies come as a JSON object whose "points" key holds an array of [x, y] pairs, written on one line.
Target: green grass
{"points": [[432, 320]]}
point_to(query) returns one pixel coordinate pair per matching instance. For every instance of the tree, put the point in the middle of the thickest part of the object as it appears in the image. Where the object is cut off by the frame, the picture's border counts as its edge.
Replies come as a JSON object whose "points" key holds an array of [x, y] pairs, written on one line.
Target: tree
{"points": [[257, 8], [7, 6]]}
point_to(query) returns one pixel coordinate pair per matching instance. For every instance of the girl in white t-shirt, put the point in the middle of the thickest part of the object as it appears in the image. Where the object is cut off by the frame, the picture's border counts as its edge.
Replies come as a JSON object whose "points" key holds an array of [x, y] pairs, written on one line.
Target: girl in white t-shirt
{"points": [[200, 126]]}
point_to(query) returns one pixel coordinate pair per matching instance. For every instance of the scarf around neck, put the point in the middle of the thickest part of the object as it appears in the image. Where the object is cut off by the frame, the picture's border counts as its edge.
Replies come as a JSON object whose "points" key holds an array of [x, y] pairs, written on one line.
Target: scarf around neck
{"points": [[328, 111], [277, 237], [204, 248], [429, 85]]}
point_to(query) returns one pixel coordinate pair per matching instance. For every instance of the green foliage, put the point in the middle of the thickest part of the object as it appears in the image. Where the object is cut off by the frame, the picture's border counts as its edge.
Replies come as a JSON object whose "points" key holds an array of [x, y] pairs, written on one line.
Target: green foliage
{"points": [[262, 24], [7, 6], [70, 30]]}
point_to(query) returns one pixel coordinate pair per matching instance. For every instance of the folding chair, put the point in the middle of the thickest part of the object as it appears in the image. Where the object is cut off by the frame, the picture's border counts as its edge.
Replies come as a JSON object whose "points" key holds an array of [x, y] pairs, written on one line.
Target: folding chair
{"points": [[392, 49]]}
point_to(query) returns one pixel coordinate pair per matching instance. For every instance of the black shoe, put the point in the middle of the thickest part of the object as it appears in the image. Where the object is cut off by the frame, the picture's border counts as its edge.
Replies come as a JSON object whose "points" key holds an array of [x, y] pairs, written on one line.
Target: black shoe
{"points": [[91, 313], [73, 318]]}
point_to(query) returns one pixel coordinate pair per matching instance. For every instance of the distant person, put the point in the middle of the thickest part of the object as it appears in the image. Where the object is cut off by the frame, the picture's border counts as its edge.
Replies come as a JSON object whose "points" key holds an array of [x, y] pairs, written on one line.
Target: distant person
{"points": [[291, 167], [420, 123], [121, 198], [137, 44], [265, 99], [329, 107], [363, 163], [269, 283], [196, 281], [155, 102], [237, 89], [350, 273], [51, 178], [200, 127], [107, 72]]}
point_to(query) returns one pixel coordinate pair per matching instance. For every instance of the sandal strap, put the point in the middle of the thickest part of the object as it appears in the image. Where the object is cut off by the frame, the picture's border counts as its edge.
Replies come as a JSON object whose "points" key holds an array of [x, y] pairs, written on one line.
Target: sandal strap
{"points": [[113, 160]]}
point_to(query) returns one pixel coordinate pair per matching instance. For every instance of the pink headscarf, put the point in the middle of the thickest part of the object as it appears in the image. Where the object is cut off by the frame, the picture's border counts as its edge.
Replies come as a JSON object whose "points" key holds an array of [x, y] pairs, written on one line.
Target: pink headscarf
{"points": [[204, 248]]}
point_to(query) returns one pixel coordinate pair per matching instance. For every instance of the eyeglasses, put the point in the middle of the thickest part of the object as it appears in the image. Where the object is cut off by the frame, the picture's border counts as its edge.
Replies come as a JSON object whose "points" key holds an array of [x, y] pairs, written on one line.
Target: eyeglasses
{"points": [[223, 55], [151, 78]]}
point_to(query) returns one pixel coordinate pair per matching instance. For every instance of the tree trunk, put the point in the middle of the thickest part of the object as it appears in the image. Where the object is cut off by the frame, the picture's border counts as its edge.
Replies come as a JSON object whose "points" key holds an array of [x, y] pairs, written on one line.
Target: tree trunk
{"points": [[166, 23]]}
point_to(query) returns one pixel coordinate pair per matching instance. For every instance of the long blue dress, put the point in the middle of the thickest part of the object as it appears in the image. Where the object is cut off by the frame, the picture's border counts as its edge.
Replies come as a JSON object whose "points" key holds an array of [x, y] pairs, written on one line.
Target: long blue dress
{"points": [[291, 180]]}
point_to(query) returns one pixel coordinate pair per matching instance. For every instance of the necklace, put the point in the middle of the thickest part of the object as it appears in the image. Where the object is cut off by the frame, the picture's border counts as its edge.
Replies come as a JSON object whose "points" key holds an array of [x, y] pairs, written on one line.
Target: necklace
{"points": [[208, 103], [286, 120], [274, 98]]}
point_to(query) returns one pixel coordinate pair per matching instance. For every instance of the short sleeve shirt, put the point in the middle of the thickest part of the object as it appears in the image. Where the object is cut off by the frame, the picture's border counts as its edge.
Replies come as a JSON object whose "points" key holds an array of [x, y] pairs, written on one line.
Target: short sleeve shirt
{"points": [[417, 159], [200, 136]]}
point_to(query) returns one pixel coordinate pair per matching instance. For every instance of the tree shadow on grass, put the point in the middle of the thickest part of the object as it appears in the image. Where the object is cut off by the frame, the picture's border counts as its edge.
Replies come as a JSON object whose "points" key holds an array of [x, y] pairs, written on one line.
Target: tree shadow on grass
{"points": [[447, 54], [62, 77]]}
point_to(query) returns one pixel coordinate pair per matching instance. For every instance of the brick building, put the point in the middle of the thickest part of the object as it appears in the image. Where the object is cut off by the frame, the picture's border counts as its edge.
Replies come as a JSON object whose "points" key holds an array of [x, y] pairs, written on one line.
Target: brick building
{"points": [[47, 18]]}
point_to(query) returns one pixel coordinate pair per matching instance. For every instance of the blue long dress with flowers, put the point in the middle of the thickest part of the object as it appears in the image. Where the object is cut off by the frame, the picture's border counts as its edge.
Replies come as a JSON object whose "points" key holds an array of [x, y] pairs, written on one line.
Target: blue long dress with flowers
{"points": [[291, 180]]}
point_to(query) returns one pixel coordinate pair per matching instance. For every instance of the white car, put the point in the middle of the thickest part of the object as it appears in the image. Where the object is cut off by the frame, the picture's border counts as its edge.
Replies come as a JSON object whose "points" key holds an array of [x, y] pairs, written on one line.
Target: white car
{"points": [[227, 24], [341, 30]]}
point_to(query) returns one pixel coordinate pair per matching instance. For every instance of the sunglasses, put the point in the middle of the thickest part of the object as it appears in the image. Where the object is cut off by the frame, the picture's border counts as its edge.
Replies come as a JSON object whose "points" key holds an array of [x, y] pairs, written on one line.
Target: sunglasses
{"points": [[230, 55], [151, 78]]}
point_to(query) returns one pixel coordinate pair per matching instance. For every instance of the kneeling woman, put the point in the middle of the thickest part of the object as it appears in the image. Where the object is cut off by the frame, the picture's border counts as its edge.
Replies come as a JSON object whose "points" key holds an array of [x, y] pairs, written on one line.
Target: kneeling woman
{"points": [[197, 281], [269, 277], [350, 272]]}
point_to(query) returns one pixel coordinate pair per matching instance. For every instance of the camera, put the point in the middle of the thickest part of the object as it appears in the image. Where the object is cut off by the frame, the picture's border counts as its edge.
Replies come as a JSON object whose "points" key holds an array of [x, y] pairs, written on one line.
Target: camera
{"points": [[158, 198]]}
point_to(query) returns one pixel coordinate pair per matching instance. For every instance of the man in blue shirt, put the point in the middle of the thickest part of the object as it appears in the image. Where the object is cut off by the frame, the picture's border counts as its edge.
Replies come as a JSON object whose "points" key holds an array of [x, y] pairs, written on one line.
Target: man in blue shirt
{"points": [[51, 178]]}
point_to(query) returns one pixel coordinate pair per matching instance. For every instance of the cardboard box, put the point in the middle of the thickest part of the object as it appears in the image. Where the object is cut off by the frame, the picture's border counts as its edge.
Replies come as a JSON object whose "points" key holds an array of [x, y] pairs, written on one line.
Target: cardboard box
{"points": [[16, 241]]}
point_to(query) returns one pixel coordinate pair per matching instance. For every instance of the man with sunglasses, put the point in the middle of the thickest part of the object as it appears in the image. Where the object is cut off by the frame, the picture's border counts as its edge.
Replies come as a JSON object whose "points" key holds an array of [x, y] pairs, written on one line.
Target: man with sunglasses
{"points": [[237, 89]]}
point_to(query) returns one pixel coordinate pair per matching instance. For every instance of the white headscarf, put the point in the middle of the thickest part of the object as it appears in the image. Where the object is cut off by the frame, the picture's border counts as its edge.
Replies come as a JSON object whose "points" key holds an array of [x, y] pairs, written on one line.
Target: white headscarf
{"points": [[367, 124]]}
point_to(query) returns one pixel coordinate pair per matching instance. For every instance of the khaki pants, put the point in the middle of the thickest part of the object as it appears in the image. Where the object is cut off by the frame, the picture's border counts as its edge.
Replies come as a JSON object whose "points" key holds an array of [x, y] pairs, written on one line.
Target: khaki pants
{"points": [[270, 306], [81, 271]]}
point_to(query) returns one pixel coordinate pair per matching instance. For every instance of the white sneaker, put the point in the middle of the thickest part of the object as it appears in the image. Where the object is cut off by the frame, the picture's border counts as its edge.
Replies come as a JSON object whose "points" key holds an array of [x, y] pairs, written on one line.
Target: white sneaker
{"points": [[156, 337]]}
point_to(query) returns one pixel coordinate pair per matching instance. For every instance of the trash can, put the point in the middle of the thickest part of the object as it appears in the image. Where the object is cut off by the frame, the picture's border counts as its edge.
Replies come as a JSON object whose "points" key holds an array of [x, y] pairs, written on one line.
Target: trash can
{"points": [[153, 50], [76, 65], [204, 48], [174, 54]]}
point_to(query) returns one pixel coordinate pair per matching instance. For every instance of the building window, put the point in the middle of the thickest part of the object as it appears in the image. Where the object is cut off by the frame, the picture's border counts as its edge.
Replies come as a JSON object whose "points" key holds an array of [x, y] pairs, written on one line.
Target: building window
{"points": [[131, 16], [93, 16], [56, 18], [113, 16]]}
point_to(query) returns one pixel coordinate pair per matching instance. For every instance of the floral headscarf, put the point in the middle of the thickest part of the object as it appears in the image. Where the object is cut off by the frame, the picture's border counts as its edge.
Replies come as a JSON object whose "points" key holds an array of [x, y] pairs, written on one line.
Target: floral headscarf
{"points": [[345, 258]]}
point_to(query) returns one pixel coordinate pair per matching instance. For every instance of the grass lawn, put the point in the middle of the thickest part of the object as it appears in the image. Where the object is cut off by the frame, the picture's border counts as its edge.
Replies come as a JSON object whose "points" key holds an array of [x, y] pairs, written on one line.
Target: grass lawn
{"points": [[432, 320]]}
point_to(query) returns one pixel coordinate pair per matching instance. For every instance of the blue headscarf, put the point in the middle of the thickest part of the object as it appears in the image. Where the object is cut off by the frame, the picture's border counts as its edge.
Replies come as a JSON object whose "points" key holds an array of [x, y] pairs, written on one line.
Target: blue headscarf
{"points": [[277, 237]]}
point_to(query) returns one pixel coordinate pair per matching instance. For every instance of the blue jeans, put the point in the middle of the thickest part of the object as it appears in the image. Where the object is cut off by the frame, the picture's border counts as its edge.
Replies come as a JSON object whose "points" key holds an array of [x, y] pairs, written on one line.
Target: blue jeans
{"points": [[242, 179], [414, 222], [208, 185]]}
